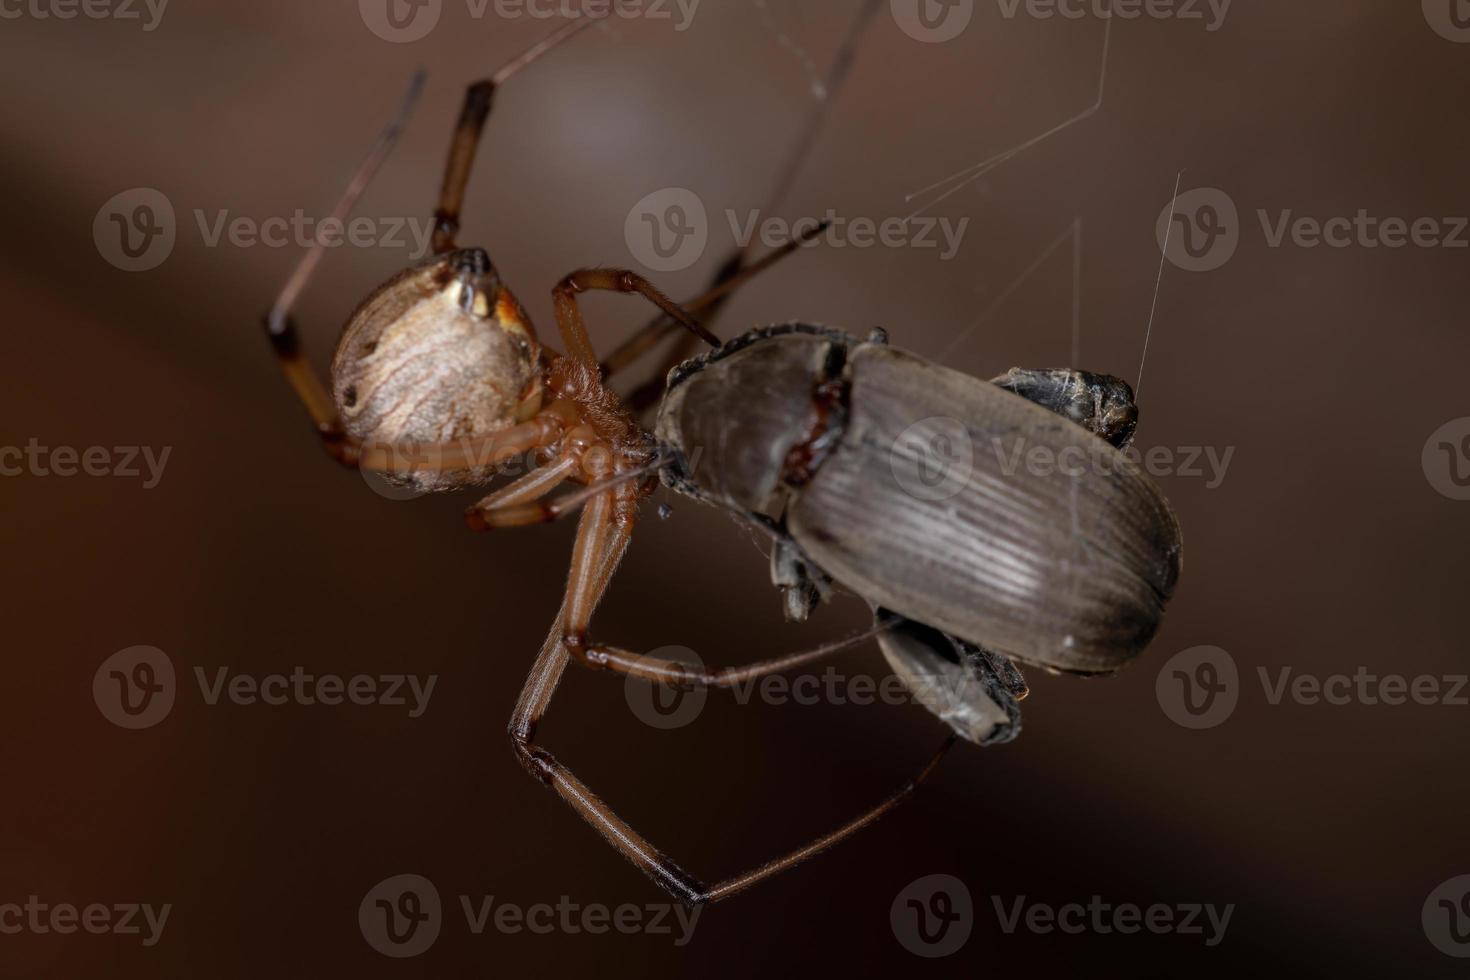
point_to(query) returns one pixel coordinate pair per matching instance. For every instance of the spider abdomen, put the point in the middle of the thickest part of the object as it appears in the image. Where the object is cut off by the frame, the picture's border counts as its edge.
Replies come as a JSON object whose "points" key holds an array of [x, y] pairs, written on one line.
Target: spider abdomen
{"points": [[434, 357]]}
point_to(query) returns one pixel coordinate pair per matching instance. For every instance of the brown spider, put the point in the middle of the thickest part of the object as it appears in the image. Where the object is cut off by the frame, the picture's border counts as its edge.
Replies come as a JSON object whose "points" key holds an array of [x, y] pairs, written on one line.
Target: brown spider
{"points": [[439, 379]]}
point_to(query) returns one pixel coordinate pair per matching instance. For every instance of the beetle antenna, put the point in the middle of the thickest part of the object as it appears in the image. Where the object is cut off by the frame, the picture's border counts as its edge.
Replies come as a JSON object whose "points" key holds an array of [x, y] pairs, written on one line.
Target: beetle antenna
{"points": [[1158, 283], [301, 275]]}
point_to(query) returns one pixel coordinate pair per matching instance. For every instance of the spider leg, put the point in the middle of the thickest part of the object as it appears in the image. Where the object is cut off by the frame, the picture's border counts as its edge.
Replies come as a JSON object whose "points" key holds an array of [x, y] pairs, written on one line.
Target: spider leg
{"points": [[601, 543], [661, 670], [732, 274], [478, 99], [280, 329], [569, 314], [737, 270]]}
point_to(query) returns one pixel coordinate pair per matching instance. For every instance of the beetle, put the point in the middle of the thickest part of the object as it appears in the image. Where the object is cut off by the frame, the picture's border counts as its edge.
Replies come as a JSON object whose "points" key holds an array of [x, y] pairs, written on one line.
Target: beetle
{"points": [[823, 440], [439, 379]]}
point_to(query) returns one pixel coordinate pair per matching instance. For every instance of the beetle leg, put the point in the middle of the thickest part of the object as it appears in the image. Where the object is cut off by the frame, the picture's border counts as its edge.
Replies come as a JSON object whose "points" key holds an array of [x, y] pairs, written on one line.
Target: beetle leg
{"points": [[973, 691], [802, 585], [1100, 403], [477, 101]]}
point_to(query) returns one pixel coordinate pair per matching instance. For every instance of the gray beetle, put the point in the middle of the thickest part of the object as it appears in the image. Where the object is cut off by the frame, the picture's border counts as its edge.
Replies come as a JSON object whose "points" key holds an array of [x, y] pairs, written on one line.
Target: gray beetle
{"points": [[982, 521]]}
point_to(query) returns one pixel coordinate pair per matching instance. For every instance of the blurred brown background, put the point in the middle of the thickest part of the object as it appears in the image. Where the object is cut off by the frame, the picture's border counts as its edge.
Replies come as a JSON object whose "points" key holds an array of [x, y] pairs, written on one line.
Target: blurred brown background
{"points": [[1324, 549]]}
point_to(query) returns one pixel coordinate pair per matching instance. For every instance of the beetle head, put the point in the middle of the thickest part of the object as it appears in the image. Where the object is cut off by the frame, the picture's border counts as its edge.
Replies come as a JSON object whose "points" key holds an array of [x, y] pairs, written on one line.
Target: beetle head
{"points": [[1117, 414], [441, 352], [1100, 403]]}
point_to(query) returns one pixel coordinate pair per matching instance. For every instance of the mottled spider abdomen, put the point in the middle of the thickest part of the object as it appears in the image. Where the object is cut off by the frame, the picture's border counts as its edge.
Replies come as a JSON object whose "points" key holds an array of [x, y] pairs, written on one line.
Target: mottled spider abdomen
{"points": [[440, 353]]}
